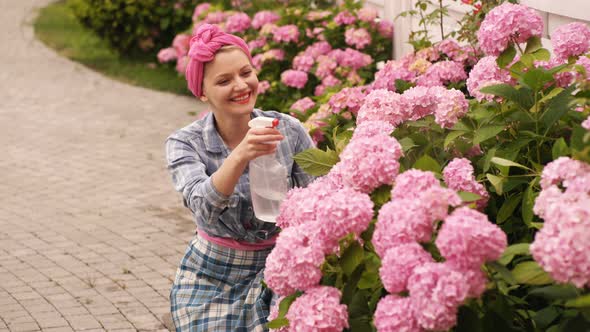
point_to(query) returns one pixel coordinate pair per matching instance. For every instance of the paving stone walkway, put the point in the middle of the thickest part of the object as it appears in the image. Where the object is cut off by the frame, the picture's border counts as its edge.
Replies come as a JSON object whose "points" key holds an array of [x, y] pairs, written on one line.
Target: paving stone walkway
{"points": [[91, 230]]}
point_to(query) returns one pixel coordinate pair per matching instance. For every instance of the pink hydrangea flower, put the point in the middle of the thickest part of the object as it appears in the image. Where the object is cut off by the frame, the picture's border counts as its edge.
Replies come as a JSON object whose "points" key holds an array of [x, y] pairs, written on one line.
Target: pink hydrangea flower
{"points": [[199, 10], [348, 98], [421, 101], [263, 86], [437, 291], [385, 28], [273, 54], [318, 310], [452, 106], [562, 169], [294, 263], [412, 183], [586, 123], [318, 15], [274, 314], [449, 47], [181, 64], [216, 17], [326, 66], [286, 34], [392, 71], [565, 255], [318, 48], [354, 59], [443, 72], [584, 62], [475, 277], [257, 43], [367, 163], [303, 62], [237, 23], [384, 105], [294, 78], [263, 17], [395, 314], [342, 212], [319, 90], [330, 81], [399, 263], [571, 39], [468, 237], [400, 222], [181, 44], [303, 104], [508, 23], [367, 14], [486, 72], [166, 55], [358, 38], [344, 18], [372, 128], [458, 175]]}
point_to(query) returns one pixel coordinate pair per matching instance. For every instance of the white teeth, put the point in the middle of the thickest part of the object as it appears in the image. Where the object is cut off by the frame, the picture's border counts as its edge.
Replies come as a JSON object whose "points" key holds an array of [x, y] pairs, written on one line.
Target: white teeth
{"points": [[242, 98]]}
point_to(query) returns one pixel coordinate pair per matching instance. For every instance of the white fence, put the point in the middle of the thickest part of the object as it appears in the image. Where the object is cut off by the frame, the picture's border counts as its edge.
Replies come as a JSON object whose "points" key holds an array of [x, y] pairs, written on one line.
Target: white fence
{"points": [[554, 13]]}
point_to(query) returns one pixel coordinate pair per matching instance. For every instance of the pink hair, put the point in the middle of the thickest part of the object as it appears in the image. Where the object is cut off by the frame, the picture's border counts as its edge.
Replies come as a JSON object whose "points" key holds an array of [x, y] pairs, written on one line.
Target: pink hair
{"points": [[203, 46]]}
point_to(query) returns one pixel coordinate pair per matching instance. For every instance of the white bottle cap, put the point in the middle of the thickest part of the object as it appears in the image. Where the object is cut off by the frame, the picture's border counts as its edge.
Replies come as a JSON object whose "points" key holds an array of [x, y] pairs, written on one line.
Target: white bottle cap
{"points": [[263, 122]]}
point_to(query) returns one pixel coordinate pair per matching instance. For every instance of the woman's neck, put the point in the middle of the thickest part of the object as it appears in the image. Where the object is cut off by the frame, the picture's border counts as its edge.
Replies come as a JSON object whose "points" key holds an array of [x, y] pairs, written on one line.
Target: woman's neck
{"points": [[232, 129]]}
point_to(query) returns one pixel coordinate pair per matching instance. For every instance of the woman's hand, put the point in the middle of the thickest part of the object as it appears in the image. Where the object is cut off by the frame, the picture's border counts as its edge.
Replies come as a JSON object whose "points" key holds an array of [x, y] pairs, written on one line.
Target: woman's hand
{"points": [[258, 142]]}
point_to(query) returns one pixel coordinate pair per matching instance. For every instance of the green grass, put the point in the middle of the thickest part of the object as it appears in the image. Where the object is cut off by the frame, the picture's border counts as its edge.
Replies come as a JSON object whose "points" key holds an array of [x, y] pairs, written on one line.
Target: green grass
{"points": [[57, 27]]}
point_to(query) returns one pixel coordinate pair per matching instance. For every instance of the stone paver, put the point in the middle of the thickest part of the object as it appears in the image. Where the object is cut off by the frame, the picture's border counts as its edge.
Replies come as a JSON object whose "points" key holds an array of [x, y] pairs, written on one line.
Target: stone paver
{"points": [[91, 230]]}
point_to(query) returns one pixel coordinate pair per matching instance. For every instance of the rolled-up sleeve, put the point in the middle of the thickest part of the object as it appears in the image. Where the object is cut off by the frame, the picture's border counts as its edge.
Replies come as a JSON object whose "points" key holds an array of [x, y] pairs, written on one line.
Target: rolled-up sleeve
{"points": [[303, 143], [189, 176]]}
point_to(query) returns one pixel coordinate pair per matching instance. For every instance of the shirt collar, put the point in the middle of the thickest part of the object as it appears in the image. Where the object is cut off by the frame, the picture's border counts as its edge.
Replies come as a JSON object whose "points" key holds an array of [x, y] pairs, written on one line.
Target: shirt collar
{"points": [[211, 137]]}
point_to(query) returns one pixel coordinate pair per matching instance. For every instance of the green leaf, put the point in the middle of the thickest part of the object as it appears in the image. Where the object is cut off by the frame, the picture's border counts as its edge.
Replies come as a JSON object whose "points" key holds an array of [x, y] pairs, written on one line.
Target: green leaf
{"points": [[286, 304], [580, 302], [530, 273], [528, 202], [496, 182], [401, 85], [278, 323], [407, 143], [557, 107], [467, 320], [508, 208], [542, 55], [536, 78], [427, 163], [505, 91], [508, 163], [506, 57], [451, 137], [488, 158], [560, 149], [556, 292], [533, 44], [351, 258], [513, 250], [316, 162], [544, 317], [468, 197], [550, 95], [503, 272], [485, 133]]}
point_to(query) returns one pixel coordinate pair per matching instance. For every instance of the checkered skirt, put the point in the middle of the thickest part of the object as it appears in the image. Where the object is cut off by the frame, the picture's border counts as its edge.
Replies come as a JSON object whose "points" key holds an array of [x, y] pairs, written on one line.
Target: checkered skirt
{"points": [[219, 289]]}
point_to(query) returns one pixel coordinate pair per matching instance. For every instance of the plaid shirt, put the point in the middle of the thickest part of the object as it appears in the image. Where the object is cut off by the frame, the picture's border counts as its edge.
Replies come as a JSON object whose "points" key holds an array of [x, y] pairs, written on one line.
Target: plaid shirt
{"points": [[196, 151]]}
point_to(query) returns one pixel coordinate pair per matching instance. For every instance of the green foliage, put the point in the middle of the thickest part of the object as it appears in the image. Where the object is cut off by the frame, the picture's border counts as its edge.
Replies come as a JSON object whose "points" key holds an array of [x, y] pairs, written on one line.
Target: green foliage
{"points": [[132, 26], [57, 27]]}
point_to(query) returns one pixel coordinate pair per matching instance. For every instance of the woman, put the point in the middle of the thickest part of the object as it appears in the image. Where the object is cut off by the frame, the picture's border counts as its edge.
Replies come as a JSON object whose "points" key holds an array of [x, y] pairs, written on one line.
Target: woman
{"points": [[218, 284]]}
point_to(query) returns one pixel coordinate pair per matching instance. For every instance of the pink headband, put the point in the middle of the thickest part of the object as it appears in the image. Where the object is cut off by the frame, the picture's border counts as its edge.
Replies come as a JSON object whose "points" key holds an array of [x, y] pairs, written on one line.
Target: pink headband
{"points": [[203, 45]]}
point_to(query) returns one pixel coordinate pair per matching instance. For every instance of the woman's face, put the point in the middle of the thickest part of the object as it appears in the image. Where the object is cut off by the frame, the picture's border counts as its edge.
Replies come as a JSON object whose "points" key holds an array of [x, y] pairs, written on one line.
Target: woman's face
{"points": [[230, 84]]}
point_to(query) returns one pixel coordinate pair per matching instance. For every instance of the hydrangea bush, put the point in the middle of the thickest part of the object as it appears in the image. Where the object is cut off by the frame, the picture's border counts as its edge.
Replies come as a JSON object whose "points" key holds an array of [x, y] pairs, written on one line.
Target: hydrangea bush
{"points": [[299, 52], [453, 191]]}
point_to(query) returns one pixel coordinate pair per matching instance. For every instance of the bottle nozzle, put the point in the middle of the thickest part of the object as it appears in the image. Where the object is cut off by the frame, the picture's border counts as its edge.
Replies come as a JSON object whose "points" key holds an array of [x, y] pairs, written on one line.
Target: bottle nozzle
{"points": [[263, 122]]}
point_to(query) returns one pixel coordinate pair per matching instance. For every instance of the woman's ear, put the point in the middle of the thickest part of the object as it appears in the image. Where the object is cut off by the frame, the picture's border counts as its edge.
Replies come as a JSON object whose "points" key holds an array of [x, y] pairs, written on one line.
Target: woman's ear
{"points": [[203, 99]]}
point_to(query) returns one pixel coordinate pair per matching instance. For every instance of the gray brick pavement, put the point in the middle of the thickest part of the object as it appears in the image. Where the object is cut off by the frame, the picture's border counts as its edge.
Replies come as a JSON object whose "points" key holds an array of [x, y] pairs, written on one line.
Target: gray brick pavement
{"points": [[91, 230]]}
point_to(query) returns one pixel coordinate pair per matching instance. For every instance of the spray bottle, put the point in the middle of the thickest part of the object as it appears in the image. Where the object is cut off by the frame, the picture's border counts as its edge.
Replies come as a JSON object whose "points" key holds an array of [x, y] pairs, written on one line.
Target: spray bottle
{"points": [[268, 178]]}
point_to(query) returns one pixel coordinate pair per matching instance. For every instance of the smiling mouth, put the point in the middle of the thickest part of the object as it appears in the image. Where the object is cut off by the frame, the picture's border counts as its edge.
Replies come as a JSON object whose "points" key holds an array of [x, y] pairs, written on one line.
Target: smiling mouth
{"points": [[242, 99]]}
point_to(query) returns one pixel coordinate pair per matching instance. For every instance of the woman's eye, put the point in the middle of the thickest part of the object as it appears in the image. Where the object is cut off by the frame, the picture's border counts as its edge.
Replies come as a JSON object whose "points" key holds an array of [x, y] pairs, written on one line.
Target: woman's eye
{"points": [[224, 82], [247, 73]]}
